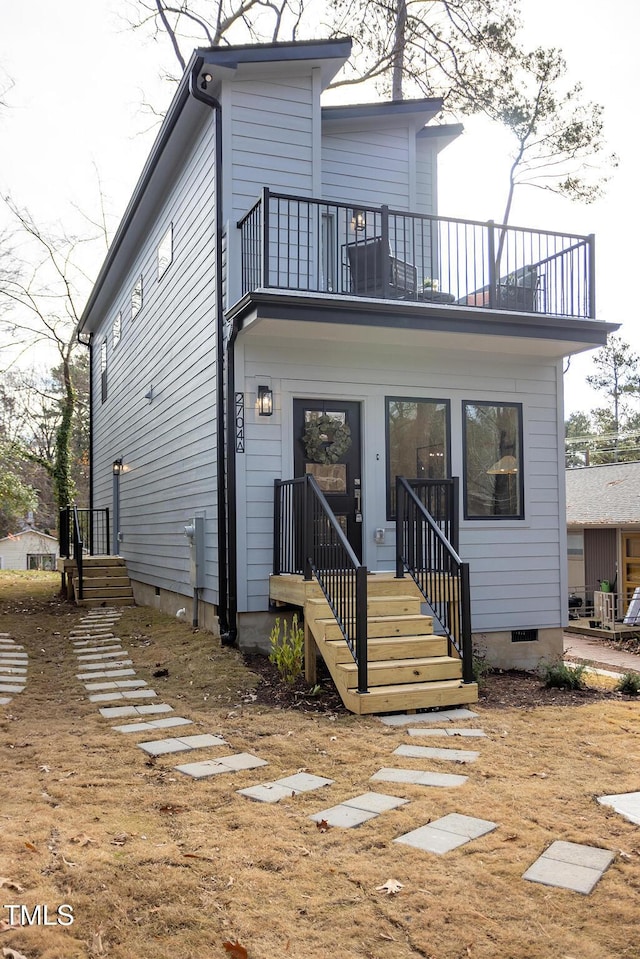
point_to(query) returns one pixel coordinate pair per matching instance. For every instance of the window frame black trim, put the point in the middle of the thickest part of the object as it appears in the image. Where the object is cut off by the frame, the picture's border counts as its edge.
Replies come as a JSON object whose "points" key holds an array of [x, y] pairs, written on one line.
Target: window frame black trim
{"points": [[511, 517], [390, 515]]}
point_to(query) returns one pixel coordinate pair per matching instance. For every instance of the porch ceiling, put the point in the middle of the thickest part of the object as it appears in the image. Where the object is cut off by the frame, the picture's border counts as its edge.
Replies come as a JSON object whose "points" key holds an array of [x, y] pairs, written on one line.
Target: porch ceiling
{"points": [[396, 323]]}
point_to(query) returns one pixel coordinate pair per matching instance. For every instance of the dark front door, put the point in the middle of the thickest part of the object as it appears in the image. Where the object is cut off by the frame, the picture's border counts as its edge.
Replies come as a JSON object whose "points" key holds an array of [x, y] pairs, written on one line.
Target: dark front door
{"points": [[327, 445]]}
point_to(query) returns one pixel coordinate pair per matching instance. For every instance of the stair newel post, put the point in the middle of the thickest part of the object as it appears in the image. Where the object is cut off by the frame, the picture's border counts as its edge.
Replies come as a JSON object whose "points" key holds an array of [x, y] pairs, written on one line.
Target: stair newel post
{"points": [[361, 629], [277, 525], [107, 537], [307, 528], [399, 529], [465, 615]]}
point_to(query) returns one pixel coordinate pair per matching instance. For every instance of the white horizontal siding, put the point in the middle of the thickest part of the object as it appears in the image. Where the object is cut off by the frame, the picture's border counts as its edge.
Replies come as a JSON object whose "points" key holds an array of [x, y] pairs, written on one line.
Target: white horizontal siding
{"points": [[515, 567], [169, 445]]}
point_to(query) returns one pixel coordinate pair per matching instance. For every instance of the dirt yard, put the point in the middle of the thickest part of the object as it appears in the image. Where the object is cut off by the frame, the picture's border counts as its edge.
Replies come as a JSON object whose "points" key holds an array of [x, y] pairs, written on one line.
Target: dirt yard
{"points": [[153, 865]]}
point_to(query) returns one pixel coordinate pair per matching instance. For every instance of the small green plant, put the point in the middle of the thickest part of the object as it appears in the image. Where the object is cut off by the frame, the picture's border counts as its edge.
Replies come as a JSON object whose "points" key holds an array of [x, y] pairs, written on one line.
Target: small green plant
{"points": [[287, 649], [559, 675], [629, 683], [480, 666]]}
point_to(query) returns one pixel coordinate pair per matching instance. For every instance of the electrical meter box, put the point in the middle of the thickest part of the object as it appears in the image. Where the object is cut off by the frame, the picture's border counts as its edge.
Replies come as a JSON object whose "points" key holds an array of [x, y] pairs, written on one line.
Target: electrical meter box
{"points": [[195, 534]]}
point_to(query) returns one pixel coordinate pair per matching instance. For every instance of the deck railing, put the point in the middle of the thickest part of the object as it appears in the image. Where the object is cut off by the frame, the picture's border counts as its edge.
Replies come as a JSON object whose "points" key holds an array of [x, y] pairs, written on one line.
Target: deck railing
{"points": [[424, 552], [440, 497], [308, 540], [316, 246], [93, 528]]}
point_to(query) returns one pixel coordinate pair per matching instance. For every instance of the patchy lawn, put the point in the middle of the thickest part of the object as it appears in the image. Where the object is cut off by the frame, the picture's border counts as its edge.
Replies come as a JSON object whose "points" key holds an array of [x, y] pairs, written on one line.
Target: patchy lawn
{"points": [[157, 866]]}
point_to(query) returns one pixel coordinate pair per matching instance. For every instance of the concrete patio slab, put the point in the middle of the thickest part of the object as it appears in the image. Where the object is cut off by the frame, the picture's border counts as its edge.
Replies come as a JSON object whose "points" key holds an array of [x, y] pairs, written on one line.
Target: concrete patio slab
{"points": [[447, 833], [439, 716], [216, 767], [465, 733], [626, 804], [418, 777], [375, 802], [161, 747], [569, 865], [432, 752], [343, 817]]}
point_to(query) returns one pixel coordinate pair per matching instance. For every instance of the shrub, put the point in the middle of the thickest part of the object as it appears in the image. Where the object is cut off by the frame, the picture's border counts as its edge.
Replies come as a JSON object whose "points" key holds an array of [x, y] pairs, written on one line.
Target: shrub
{"points": [[559, 675], [287, 649], [629, 683], [480, 666]]}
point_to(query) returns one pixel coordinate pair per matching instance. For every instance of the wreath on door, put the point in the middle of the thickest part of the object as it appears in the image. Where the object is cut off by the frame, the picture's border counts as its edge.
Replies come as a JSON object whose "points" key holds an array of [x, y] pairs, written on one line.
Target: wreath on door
{"points": [[326, 439]]}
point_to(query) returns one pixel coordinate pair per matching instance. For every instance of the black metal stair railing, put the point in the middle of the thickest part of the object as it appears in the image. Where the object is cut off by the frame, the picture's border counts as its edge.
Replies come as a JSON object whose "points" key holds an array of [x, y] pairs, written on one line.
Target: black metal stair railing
{"points": [[308, 540], [424, 552], [93, 527], [78, 551]]}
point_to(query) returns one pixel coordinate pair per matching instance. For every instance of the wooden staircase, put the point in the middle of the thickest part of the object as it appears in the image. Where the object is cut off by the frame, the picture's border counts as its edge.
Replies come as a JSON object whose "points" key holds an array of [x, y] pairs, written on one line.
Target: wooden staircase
{"points": [[105, 582], [409, 666]]}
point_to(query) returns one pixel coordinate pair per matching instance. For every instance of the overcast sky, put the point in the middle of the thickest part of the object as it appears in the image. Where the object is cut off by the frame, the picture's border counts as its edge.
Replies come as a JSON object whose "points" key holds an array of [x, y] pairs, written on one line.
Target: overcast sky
{"points": [[80, 77]]}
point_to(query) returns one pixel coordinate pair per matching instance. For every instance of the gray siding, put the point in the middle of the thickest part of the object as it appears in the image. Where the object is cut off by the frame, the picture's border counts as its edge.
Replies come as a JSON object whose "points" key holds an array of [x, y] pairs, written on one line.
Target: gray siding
{"points": [[169, 445], [515, 566], [367, 165]]}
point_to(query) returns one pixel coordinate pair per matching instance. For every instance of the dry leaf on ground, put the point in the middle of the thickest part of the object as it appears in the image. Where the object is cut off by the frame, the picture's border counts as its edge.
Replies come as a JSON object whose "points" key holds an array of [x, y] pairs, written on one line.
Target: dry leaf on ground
{"points": [[323, 825], [10, 884], [391, 887], [236, 950], [12, 954], [83, 840]]}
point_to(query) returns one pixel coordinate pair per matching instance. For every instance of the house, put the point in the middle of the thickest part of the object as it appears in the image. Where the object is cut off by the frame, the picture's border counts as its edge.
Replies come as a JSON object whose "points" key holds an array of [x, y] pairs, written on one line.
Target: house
{"points": [[603, 534], [29, 548], [284, 325]]}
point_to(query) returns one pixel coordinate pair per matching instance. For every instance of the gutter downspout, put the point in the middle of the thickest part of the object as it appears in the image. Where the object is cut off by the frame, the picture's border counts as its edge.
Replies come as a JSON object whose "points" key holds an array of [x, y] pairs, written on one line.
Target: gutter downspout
{"points": [[226, 561]]}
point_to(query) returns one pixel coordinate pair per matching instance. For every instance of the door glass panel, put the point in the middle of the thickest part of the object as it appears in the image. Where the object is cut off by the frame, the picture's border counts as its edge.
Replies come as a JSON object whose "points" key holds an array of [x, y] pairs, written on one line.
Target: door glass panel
{"points": [[331, 478]]}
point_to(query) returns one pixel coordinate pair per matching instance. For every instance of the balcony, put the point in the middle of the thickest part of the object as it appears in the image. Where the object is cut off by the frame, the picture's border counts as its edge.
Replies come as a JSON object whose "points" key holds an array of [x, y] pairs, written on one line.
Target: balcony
{"points": [[319, 247]]}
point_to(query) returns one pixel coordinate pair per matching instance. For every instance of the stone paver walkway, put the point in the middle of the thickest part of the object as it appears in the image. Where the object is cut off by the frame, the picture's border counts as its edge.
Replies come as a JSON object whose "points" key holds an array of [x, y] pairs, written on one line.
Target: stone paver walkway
{"points": [[353, 812], [570, 865], [627, 804], [448, 833], [13, 668]]}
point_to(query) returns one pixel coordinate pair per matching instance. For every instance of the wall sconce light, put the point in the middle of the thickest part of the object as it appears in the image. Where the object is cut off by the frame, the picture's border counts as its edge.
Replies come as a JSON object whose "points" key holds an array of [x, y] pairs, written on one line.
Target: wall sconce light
{"points": [[358, 221], [206, 78], [265, 401], [117, 467]]}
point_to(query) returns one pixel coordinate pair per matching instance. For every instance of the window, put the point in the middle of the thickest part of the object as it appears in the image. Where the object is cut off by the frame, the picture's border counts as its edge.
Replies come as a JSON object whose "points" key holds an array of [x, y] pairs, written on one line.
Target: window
{"points": [[136, 298], [116, 329], [41, 561], [165, 252], [417, 442], [493, 480], [103, 368]]}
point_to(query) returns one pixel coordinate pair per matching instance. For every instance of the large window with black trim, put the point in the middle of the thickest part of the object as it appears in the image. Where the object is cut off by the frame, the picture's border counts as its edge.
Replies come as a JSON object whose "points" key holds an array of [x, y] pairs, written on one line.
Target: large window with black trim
{"points": [[493, 475], [103, 368], [417, 442]]}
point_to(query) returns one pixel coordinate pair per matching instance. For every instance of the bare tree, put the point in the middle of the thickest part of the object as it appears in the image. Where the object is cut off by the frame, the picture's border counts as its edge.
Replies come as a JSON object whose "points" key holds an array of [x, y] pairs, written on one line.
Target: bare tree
{"points": [[41, 292]]}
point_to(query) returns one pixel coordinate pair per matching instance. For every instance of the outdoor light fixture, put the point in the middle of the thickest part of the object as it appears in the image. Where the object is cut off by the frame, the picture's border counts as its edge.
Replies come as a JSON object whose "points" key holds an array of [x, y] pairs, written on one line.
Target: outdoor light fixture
{"points": [[206, 78], [358, 221], [117, 467], [265, 401]]}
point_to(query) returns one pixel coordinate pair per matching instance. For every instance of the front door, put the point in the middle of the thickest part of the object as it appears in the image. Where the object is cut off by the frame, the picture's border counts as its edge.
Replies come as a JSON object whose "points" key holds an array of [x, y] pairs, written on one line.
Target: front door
{"points": [[630, 568], [327, 445]]}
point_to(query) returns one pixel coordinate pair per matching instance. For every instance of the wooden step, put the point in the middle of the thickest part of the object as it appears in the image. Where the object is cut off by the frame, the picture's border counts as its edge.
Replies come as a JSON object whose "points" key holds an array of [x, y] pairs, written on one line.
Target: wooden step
{"points": [[105, 592], [106, 601], [402, 671], [410, 625], [376, 606], [91, 561], [104, 581], [383, 648], [400, 698]]}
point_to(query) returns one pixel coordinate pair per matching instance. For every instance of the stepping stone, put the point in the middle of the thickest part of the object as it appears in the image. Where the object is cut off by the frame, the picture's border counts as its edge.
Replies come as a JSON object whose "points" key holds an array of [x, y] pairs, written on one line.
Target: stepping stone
{"points": [[161, 747], [442, 715], [285, 788], [6, 688], [226, 764], [471, 733], [106, 675], [13, 662], [113, 712], [447, 833], [570, 865], [375, 802], [81, 644], [21, 657], [106, 653], [154, 724], [122, 684], [430, 752], [101, 659], [12, 671], [127, 694], [344, 817], [418, 778], [116, 664], [627, 804], [5, 700]]}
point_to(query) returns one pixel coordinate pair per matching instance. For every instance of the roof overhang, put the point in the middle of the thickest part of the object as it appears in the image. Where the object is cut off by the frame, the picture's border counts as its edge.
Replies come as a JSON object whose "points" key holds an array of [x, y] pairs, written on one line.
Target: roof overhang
{"points": [[414, 113], [281, 313]]}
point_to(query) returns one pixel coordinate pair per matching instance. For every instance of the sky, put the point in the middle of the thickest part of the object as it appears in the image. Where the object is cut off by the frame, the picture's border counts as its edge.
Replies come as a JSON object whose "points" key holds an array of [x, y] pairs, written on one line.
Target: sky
{"points": [[75, 123]]}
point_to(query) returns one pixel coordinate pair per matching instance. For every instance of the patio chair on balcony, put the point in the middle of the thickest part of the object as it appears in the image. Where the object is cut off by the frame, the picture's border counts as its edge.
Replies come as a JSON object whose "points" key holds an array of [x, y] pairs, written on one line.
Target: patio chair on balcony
{"points": [[371, 262], [518, 292]]}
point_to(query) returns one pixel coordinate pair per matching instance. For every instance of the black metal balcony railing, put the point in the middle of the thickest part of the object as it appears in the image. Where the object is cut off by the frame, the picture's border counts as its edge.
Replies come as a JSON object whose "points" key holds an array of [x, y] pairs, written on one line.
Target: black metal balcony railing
{"points": [[315, 246]]}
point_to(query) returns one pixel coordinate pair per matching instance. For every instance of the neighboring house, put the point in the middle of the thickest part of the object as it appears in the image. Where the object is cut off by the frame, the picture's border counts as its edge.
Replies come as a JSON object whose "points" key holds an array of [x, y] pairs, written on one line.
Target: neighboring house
{"points": [[603, 531], [283, 299], [28, 549]]}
